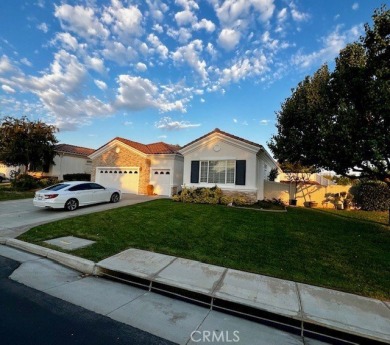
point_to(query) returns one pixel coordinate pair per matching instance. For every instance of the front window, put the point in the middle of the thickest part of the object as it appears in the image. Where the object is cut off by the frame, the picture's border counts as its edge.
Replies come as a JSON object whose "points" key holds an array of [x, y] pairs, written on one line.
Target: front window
{"points": [[219, 172]]}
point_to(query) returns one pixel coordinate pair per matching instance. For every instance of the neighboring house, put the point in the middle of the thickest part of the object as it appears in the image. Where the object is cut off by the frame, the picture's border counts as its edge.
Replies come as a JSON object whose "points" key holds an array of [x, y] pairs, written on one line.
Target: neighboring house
{"points": [[70, 159], [132, 166], [234, 164], [6, 170]]}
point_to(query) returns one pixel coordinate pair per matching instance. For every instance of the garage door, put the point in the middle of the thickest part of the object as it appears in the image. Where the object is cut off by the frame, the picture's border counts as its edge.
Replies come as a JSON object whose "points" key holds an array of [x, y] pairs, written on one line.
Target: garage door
{"points": [[125, 179], [161, 179]]}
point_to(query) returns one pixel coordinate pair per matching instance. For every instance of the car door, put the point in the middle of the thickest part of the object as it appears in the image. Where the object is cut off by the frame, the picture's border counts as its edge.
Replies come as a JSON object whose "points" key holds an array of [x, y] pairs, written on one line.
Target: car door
{"points": [[83, 193], [100, 193]]}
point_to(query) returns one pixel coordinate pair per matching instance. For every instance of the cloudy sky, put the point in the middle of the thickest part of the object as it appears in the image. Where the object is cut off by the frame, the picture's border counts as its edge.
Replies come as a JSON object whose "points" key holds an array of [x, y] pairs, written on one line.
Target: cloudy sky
{"points": [[165, 70]]}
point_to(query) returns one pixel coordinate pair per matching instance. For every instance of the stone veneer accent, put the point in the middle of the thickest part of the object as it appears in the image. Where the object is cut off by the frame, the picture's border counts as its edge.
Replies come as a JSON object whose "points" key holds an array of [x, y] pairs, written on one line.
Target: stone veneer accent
{"points": [[125, 158], [250, 196]]}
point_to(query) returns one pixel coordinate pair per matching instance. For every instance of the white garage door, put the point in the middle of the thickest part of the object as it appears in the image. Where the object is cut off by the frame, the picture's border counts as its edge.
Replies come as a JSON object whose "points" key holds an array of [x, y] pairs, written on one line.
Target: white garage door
{"points": [[161, 179], [125, 179]]}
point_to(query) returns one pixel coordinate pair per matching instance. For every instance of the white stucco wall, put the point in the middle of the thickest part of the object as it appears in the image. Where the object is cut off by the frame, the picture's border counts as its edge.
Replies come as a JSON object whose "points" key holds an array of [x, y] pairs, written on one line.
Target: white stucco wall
{"points": [[172, 162], [68, 164], [227, 151]]}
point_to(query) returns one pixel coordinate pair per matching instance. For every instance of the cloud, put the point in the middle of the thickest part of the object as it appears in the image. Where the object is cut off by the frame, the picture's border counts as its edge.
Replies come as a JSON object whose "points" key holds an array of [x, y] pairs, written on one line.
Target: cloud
{"points": [[26, 62], [355, 6], [331, 46], [141, 67], [100, 84], [160, 48], [204, 24], [185, 17], [127, 123], [162, 136], [297, 15], [264, 122], [231, 12], [136, 93], [282, 15], [81, 20], [7, 89], [235, 120], [43, 27], [6, 65], [95, 63], [191, 55], [228, 39], [169, 124], [126, 22], [117, 52], [67, 40]]}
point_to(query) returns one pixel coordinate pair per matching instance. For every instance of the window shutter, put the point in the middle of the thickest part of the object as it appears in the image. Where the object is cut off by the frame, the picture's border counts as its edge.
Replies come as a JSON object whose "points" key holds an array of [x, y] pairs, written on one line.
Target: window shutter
{"points": [[194, 171], [240, 172]]}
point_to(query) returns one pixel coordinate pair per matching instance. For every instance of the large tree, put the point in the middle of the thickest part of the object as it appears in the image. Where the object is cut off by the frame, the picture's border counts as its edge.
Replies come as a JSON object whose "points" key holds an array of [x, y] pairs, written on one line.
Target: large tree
{"points": [[341, 120], [27, 143]]}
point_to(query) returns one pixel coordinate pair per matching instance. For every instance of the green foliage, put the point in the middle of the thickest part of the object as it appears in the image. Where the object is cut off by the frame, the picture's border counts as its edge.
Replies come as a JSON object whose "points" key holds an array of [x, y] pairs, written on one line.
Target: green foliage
{"points": [[77, 177], [27, 143], [271, 204], [340, 120], [25, 182], [373, 196], [47, 181], [199, 195], [273, 174]]}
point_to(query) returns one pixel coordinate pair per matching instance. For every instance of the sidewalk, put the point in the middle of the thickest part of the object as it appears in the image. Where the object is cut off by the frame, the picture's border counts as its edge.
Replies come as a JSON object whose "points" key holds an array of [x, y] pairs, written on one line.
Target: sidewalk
{"points": [[301, 309]]}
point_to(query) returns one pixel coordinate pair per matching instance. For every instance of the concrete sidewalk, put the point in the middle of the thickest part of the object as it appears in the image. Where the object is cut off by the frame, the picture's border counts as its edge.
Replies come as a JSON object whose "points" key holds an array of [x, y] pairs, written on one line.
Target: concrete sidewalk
{"points": [[299, 308]]}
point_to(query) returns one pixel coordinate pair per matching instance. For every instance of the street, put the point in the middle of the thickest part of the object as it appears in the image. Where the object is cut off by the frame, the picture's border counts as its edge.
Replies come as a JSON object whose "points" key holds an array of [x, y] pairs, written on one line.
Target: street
{"points": [[29, 316]]}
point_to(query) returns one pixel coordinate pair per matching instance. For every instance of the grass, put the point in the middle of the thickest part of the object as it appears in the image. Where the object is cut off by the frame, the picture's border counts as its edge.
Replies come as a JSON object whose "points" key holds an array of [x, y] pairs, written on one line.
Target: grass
{"points": [[372, 216], [303, 245], [6, 193]]}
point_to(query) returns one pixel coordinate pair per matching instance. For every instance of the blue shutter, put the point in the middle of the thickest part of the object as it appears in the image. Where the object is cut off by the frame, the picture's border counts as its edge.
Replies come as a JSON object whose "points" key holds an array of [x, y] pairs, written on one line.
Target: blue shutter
{"points": [[240, 172], [194, 171]]}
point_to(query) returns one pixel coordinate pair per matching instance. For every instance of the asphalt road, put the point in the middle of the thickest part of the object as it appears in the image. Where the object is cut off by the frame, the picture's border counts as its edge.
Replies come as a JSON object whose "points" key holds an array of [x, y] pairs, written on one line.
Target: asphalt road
{"points": [[28, 316]]}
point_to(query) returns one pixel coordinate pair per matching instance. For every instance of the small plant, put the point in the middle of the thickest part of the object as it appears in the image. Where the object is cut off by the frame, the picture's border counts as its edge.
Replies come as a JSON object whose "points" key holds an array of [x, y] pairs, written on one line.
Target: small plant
{"points": [[273, 174], [24, 182], [341, 201]]}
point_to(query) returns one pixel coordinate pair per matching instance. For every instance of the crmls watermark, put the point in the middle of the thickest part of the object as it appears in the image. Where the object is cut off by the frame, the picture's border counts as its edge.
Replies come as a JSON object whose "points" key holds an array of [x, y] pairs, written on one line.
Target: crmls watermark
{"points": [[215, 336]]}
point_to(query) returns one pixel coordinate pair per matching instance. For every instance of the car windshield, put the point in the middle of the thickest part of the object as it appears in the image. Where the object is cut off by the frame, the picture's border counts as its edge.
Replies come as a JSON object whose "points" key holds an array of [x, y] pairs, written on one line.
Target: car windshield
{"points": [[57, 186]]}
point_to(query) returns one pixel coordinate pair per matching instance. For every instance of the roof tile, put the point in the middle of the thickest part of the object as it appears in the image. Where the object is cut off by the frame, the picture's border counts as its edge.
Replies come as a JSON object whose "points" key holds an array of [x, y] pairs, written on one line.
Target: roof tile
{"points": [[76, 150]]}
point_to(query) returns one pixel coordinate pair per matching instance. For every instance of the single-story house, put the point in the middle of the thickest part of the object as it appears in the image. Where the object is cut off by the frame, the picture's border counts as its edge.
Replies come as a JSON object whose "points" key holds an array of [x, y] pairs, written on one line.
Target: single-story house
{"points": [[69, 159], [232, 163], [132, 166]]}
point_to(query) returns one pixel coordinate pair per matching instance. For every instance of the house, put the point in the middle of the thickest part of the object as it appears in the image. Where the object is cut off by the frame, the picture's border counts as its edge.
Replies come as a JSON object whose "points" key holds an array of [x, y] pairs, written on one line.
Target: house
{"points": [[132, 166], [232, 163], [69, 159]]}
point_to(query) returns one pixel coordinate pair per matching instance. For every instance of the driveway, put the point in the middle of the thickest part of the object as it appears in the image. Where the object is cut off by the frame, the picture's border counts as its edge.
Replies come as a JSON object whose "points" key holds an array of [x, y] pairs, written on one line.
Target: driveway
{"points": [[18, 216]]}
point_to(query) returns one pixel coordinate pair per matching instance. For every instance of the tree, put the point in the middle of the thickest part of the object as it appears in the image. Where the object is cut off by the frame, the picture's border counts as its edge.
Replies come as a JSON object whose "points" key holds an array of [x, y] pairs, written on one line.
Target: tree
{"points": [[340, 121], [27, 143]]}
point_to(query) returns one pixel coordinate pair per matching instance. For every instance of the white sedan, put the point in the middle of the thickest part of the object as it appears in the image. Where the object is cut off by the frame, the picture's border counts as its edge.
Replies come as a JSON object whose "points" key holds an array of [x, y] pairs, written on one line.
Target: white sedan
{"points": [[71, 195]]}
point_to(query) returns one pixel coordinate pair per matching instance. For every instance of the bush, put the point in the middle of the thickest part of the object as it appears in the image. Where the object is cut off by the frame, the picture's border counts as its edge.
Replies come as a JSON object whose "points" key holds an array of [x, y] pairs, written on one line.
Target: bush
{"points": [[372, 196], [48, 181], [25, 182], [199, 195], [77, 177]]}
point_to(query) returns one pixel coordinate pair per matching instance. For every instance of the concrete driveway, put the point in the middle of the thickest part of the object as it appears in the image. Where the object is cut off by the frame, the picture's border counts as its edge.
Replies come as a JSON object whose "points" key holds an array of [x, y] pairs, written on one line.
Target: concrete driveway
{"points": [[18, 216]]}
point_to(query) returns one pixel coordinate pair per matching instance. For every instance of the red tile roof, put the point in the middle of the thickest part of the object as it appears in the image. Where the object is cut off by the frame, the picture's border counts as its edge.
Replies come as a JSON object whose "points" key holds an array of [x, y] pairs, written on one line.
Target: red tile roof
{"points": [[217, 130], [75, 150], [154, 148]]}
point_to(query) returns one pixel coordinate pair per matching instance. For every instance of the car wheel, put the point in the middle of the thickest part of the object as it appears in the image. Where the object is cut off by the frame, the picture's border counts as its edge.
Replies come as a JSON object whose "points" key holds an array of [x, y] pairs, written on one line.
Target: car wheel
{"points": [[71, 205], [114, 198]]}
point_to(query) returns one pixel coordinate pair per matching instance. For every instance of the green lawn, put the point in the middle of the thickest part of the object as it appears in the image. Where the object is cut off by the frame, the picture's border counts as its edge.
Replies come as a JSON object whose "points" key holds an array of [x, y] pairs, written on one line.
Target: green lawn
{"points": [[6, 193], [303, 245], [373, 216]]}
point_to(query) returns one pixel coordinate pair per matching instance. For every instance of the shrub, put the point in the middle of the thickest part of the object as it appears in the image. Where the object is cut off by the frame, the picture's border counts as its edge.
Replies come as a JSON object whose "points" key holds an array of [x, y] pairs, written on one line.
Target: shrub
{"points": [[199, 195], [25, 182], [273, 174], [48, 181], [372, 196], [77, 177]]}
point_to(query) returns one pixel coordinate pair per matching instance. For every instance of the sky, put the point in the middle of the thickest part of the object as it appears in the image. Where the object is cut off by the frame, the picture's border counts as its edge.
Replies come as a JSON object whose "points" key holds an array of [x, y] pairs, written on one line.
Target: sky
{"points": [[165, 70]]}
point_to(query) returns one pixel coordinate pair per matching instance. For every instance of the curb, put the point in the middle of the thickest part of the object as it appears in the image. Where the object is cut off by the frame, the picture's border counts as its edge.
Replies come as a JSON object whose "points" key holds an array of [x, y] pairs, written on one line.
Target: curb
{"points": [[294, 325], [82, 265]]}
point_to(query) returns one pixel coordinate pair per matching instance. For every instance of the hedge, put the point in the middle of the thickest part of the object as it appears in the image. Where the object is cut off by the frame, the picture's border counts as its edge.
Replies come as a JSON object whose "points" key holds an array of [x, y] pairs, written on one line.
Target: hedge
{"points": [[372, 196]]}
